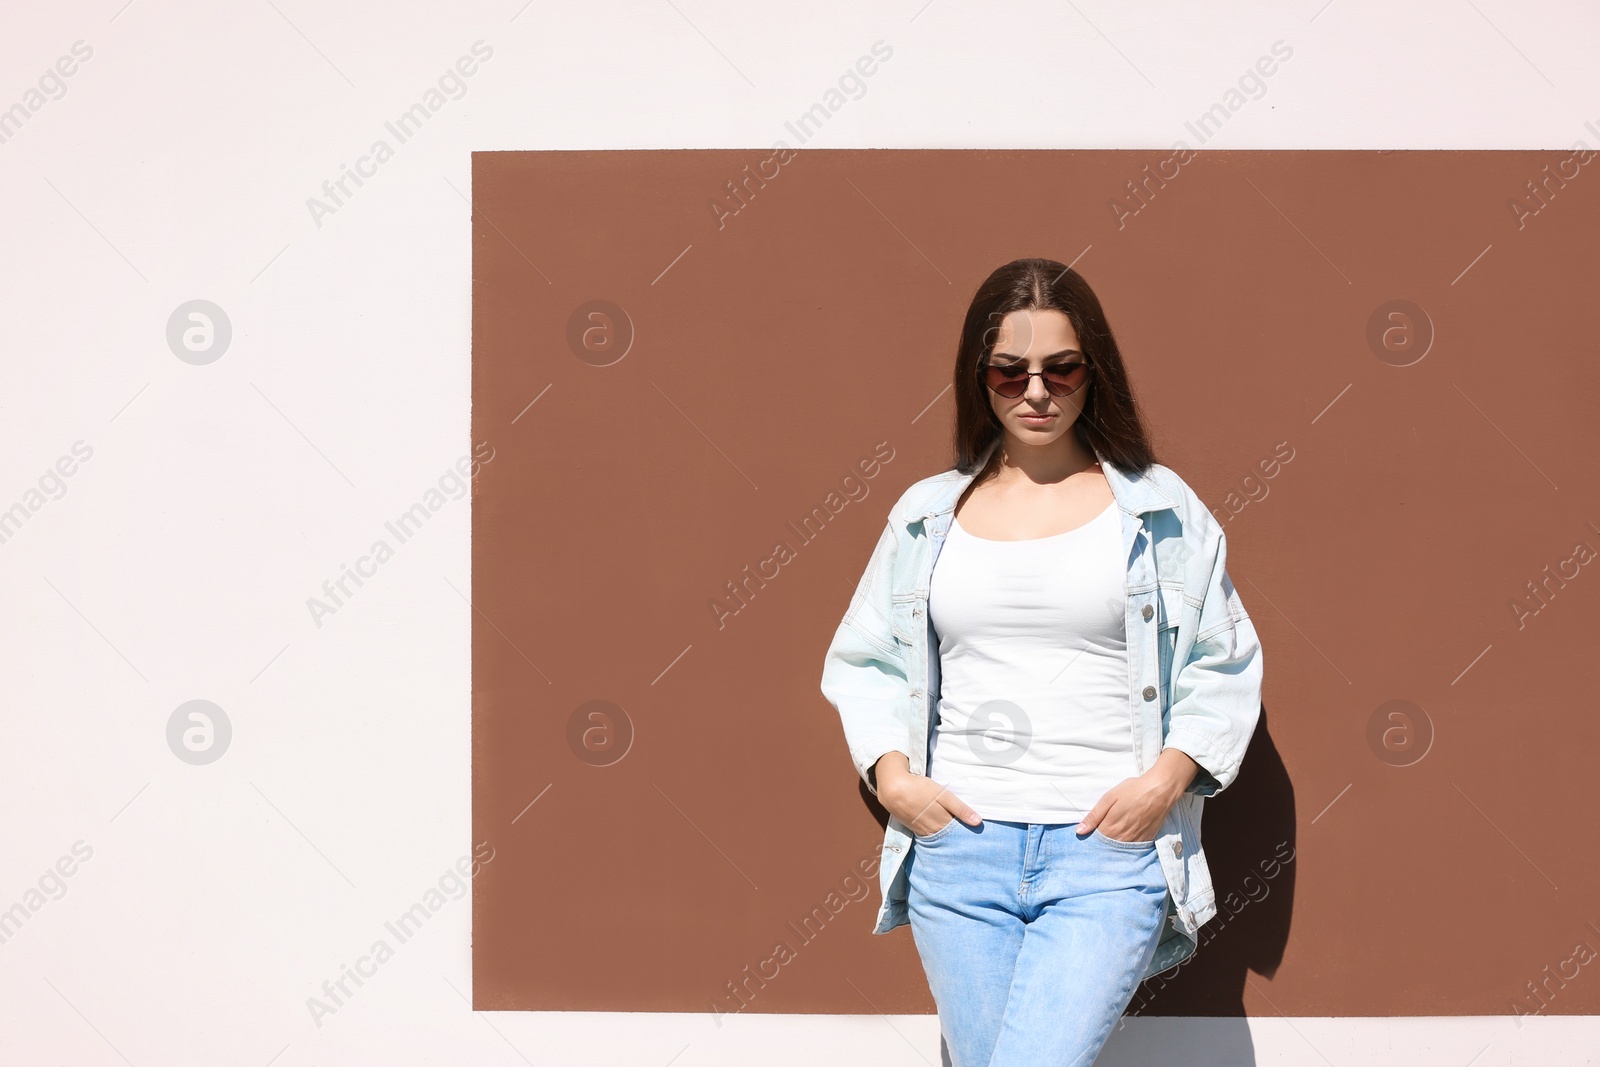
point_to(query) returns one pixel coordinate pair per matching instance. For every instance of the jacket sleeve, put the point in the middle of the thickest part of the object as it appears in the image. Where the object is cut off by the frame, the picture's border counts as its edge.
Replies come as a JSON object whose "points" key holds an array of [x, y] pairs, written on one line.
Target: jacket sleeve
{"points": [[864, 672], [1216, 694]]}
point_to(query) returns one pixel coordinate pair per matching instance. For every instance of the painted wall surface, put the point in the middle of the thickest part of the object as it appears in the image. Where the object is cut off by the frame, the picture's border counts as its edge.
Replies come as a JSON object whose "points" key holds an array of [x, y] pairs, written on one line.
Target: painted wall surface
{"points": [[1377, 368]]}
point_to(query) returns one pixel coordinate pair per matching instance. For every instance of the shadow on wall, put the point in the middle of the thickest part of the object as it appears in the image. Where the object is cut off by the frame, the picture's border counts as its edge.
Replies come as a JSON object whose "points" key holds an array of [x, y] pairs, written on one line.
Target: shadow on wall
{"points": [[1249, 836], [1250, 842]]}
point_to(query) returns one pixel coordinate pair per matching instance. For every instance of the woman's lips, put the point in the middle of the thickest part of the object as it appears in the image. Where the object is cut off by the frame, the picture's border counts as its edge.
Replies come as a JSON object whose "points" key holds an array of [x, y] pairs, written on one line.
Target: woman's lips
{"points": [[1037, 419]]}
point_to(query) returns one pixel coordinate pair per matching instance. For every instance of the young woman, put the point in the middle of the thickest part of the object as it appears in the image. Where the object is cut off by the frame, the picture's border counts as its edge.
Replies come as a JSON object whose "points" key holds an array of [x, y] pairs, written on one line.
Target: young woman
{"points": [[1042, 672]]}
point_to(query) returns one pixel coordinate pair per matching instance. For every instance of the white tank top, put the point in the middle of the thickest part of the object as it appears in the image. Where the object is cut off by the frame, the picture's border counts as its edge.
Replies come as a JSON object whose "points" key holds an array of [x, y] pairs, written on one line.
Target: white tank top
{"points": [[1034, 719]]}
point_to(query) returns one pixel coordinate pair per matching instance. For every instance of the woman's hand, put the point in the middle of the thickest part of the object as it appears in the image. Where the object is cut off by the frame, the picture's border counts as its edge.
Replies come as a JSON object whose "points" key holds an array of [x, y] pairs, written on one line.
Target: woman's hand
{"points": [[918, 801], [1135, 808]]}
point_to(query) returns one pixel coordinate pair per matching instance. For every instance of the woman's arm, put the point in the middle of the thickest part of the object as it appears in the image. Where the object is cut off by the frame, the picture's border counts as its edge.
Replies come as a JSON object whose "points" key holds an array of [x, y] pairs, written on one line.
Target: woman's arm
{"points": [[1216, 694], [864, 672]]}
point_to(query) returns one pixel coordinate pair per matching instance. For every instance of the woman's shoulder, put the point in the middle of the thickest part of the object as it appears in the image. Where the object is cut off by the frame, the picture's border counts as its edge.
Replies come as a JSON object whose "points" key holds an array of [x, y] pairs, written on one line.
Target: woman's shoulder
{"points": [[919, 495], [1165, 478], [1192, 512]]}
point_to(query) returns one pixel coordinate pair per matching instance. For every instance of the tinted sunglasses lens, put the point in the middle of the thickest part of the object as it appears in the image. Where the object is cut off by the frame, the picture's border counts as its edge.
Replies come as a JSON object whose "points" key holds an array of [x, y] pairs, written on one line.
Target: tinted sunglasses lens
{"points": [[1065, 378], [1008, 382]]}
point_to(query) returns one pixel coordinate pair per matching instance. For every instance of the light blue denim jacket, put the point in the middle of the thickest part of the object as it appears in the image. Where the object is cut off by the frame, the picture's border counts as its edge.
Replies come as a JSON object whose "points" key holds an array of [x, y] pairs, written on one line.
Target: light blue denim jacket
{"points": [[882, 669]]}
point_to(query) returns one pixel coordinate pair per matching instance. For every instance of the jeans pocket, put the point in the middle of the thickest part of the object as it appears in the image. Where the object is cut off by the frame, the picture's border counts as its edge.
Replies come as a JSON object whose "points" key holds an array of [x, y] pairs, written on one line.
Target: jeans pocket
{"points": [[937, 834], [1130, 846]]}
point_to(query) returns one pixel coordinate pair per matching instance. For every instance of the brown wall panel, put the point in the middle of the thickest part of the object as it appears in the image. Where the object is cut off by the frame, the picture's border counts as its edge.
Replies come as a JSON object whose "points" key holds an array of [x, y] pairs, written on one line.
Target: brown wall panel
{"points": [[653, 848]]}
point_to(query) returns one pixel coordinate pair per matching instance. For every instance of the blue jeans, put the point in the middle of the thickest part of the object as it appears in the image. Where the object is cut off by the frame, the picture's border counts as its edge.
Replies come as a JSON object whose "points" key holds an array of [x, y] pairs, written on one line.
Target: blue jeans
{"points": [[1032, 937]]}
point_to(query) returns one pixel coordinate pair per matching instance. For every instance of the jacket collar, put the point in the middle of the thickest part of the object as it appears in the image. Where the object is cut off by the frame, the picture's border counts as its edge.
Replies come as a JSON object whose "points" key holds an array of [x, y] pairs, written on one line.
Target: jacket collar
{"points": [[1135, 493]]}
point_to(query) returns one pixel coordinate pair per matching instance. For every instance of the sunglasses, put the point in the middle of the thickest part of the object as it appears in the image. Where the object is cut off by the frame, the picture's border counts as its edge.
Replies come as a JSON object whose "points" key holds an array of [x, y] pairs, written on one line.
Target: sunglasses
{"points": [[1011, 381]]}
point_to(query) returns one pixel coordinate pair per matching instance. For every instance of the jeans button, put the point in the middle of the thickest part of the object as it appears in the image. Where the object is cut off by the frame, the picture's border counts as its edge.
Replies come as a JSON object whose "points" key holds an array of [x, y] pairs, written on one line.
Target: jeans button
{"points": [[1148, 611], [1177, 848], [1149, 692]]}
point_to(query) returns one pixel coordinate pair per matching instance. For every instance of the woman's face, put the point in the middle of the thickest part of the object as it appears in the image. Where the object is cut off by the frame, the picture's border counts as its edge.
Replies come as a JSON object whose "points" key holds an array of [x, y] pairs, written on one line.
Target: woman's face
{"points": [[1033, 340]]}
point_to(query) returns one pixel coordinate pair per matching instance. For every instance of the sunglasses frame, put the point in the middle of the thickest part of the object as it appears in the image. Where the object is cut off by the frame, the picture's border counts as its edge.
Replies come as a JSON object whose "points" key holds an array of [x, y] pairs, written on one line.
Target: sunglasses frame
{"points": [[985, 367]]}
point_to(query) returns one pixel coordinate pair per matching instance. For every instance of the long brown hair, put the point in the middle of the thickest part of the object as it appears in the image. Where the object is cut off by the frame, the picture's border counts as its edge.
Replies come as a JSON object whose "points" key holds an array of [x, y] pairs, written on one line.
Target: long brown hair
{"points": [[1110, 422]]}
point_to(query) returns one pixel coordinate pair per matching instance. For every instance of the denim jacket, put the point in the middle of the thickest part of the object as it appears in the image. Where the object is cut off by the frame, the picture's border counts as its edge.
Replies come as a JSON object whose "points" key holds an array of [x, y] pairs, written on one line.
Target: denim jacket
{"points": [[881, 671]]}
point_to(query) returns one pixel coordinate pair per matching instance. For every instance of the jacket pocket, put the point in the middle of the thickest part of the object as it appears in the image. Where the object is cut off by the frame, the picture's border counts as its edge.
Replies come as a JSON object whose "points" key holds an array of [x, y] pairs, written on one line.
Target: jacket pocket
{"points": [[1166, 642], [905, 618]]}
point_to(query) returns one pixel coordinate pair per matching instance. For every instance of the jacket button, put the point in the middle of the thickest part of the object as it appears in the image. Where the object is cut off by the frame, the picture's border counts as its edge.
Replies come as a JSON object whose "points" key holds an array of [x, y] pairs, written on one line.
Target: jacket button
{"points": [[1148, 611], [1177, 848], [917, 610], [1149, 692]]}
